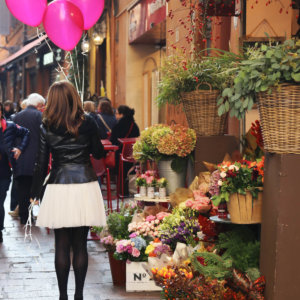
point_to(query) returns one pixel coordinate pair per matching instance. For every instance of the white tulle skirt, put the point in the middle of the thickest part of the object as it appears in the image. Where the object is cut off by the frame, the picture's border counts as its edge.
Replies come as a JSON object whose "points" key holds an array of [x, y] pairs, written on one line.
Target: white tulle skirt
{"points": [[72, 205]]}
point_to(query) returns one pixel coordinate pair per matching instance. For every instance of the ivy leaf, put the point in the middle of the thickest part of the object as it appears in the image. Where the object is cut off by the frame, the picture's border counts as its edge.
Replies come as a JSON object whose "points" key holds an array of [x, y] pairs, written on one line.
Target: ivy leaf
{"points": [[263, 88], [296, 76], [221, 109]]}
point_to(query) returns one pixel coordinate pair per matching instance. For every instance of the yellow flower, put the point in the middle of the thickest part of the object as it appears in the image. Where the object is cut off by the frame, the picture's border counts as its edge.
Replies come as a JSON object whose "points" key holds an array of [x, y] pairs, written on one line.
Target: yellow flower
{"points": [[149, 249]]}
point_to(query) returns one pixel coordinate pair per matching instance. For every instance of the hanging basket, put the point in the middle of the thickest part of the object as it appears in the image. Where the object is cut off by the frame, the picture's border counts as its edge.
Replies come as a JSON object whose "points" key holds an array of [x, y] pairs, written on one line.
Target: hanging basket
{"points": [[244, 209], [280, 119], [200, 107]]}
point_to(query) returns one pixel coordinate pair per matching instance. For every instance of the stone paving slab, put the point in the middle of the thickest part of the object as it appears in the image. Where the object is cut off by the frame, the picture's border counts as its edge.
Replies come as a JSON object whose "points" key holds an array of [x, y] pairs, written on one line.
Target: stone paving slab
{"points": [[27, 268]]}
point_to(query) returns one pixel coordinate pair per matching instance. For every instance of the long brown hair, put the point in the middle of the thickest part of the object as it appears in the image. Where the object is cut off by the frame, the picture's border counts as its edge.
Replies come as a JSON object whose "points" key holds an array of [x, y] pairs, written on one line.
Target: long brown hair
{"points": [[64, 108]]}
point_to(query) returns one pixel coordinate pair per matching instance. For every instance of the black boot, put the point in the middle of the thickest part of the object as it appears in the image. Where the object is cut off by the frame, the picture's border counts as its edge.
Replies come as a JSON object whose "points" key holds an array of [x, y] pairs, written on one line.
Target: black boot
{"points": [[63, 297], [78, 297], [1, 237]]}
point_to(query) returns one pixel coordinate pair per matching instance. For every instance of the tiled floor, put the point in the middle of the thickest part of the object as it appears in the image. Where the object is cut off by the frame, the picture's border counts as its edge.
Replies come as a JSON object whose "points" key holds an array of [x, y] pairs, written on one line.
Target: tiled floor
{"points": [[27, 268]]}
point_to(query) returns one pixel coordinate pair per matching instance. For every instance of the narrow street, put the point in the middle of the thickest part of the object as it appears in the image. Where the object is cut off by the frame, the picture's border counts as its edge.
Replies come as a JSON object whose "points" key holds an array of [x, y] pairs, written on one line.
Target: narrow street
{"points": [[27, 268]]}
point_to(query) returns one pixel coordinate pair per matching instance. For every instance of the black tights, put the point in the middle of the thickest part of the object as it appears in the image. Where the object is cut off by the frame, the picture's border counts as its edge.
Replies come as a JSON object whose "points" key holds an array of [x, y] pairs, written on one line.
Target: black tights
{"points": [[65, 238]]}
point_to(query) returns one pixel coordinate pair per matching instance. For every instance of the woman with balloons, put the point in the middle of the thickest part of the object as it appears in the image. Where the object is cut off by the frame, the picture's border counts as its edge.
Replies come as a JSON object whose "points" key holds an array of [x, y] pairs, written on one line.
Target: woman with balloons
{"points": [[63, 20], [72, 201]]}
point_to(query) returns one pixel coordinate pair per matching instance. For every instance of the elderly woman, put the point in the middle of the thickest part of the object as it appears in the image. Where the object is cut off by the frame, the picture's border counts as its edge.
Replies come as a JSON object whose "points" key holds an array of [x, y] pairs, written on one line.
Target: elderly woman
{"points": [[9, 153]]}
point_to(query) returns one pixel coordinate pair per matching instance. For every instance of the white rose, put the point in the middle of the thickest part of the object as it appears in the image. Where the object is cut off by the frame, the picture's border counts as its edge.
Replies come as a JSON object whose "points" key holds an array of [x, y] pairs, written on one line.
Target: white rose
{"points": [[223, 174], [220, 182], [231, 167], [236, 168]]}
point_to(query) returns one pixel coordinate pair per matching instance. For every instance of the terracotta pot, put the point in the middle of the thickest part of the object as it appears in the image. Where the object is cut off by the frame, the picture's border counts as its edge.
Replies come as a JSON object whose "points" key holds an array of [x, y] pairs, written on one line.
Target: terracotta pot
{"points": [[118, 270]]}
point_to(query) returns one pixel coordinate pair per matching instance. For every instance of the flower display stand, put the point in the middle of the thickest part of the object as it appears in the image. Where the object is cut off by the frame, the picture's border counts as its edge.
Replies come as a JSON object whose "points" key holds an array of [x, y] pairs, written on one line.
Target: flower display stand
{"points": [[244, 209], [137, 279]]}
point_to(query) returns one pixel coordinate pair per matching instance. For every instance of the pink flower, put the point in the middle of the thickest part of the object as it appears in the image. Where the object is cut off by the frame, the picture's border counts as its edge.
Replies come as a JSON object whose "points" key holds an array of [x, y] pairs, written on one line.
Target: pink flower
{"points": [[161, 215], [149, 179], [135, 252], [133, 235], [150, 218]]}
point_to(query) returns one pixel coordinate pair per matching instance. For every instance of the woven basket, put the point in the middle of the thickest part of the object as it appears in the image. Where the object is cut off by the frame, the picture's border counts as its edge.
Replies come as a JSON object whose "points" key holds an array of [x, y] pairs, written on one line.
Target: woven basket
{"points": [[200, 107], [244, 209], [280, 119]]}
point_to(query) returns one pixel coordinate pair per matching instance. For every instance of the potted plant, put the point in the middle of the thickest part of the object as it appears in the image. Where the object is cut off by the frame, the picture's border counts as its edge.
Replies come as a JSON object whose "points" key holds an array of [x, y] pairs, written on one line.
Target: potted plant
{"points": [[171, 146], [240, 185], [117, 229], [196, 83], [162, 187], [142, 185], [269, 76]]}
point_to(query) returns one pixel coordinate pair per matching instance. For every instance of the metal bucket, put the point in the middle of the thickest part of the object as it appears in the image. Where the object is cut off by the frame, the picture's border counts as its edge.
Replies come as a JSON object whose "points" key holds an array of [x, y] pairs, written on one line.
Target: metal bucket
{"points": [[175, 180]]}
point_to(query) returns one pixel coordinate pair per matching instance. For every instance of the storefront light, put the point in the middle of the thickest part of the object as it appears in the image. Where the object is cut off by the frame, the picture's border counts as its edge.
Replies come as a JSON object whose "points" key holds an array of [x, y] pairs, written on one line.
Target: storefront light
{"points": [[85, 46], [97, 38]]}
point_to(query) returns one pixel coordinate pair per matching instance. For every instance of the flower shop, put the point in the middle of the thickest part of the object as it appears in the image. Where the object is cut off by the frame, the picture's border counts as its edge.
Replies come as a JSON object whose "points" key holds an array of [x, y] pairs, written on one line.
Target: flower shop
{"points": [[193, 229]]}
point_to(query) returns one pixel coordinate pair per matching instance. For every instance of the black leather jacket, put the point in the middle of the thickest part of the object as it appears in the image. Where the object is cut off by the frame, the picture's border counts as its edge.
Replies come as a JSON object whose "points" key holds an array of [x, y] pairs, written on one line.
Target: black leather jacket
{"points": [[70, 156]]}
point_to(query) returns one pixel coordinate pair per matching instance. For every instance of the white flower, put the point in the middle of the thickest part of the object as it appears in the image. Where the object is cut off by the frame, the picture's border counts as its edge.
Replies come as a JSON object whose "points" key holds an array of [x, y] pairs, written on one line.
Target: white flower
{"points": [[220, 182], [223, 174], [236, 168], [231, 167]]}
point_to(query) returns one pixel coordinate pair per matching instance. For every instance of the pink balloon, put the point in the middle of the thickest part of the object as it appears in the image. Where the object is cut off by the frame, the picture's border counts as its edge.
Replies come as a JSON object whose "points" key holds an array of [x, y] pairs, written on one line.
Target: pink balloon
{"points": [[63, 23], [30, 12], [91, 11]]}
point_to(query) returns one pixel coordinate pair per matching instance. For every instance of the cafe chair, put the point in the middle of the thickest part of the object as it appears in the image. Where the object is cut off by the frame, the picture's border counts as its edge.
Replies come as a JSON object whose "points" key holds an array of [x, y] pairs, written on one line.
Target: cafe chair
{"points": [[103, 171], [125, 157]]}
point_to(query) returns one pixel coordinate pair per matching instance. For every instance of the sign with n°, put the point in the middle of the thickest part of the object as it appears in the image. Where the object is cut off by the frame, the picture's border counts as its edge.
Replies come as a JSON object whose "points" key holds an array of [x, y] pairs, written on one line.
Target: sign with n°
{"points": [[137, 279]]}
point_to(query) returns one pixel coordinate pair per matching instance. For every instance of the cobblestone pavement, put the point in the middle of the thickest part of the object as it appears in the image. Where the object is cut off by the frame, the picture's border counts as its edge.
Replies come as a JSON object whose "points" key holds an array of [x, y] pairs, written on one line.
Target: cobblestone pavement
{"points": [[27, 268]]}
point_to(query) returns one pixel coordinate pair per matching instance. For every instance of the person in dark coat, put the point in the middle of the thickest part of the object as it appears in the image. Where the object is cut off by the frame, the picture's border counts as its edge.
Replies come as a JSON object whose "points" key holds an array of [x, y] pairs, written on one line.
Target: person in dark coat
{"points": [[89, 108], [8, 110], [107, 117], [72, 201], [125, 128], [9, 153], [30, 118]]}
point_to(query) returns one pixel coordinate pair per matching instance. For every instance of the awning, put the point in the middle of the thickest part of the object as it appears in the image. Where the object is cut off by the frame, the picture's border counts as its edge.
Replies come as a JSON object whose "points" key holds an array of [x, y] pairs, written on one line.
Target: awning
{"points": [[23, 50]]}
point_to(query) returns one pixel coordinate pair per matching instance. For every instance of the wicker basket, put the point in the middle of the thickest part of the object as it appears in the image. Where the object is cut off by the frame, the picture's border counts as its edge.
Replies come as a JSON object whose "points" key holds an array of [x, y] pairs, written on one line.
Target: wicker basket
{"points": [[244, 209], [200, 107], [280, 119]]}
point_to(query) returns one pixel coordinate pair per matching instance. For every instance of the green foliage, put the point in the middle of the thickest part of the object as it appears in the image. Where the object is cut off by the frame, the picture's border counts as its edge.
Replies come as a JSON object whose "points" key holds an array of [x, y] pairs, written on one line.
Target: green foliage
{"points": [[253, 273], [117, 223], [265, 68], [180, 74], [241, 247], [212, 265]]}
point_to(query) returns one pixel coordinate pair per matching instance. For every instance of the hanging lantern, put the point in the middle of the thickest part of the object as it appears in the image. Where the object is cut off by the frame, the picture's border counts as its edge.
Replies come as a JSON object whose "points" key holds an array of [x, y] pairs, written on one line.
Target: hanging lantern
{"points": [[85, 46]]}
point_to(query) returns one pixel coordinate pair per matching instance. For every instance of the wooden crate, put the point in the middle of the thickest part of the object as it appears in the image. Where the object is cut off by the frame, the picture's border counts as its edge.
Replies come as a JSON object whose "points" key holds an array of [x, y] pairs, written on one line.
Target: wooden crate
{"points": [[137, 279]]}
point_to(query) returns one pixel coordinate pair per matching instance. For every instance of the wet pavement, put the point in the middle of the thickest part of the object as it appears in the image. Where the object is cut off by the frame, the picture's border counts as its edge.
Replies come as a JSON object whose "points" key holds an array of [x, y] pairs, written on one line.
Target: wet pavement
{"points": [[27, 268]]}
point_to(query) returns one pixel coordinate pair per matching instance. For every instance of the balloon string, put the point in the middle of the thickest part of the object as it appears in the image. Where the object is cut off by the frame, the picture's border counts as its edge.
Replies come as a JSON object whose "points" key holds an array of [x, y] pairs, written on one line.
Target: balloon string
{"points": [[79, 81], [39, 34], [72, 65], [82, 92]]}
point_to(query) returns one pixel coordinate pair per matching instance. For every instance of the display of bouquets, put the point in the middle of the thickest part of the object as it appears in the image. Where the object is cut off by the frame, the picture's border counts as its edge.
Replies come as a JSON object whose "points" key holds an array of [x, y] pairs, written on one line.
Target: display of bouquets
{"points": [[162, 141], [239, 177], [179, 282], [181, 226], [149, 226], [132, 249], [156, 248]]}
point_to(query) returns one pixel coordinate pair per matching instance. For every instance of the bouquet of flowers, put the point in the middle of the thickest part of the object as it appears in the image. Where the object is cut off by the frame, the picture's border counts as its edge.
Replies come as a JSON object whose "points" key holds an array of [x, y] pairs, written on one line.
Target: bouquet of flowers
{"points": [[140, 181], [238, 177], [180, 226], [160, 141], [156, 248], [162, 182], [148, 227], [132, 249], [109, 243]]}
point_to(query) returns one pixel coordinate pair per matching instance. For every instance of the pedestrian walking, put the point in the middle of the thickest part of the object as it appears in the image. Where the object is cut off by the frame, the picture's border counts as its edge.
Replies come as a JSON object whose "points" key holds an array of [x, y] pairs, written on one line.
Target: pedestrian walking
{"points": [[9, 153], [72, 201], [30, 118], [106, 116]]}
